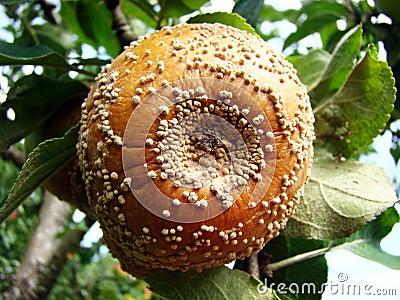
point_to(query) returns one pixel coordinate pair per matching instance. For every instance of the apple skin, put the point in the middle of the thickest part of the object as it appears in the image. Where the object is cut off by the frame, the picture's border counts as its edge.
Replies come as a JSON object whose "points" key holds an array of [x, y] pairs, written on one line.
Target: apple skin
{"points": [[391, 8]]}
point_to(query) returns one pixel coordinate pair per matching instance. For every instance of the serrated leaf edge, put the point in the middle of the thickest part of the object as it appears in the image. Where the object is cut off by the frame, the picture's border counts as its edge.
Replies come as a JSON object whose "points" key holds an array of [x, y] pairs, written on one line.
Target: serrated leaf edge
{"points": [[247, 26], [14, 197]]}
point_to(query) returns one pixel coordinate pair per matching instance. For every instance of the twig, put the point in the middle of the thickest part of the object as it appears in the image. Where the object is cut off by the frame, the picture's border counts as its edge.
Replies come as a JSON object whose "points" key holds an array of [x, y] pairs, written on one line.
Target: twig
{"points": [[322, 106], [45, 254], [350, 8], [304, 256], [49, 11], [31, 30], [253, 266], [121, 25], [76, 68], [14, 155]]}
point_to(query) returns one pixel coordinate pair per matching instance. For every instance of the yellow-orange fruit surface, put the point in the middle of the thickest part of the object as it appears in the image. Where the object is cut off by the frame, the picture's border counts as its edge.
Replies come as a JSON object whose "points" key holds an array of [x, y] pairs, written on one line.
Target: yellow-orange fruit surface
{"points": [[195, 144]]}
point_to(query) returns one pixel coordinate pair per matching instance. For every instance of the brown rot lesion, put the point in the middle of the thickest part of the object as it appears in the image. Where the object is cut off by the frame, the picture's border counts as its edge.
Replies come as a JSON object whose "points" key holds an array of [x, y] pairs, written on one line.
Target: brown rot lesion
{"points": [[209, 141]]}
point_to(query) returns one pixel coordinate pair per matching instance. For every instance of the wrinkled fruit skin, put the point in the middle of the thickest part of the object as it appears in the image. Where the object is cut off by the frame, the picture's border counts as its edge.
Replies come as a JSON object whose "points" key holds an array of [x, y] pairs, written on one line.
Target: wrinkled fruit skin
{"points": [[148, 129]]}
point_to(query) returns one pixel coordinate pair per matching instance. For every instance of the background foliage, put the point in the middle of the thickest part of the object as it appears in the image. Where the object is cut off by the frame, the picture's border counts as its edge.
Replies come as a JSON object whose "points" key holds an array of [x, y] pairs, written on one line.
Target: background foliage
{"points": [[334, 45]]}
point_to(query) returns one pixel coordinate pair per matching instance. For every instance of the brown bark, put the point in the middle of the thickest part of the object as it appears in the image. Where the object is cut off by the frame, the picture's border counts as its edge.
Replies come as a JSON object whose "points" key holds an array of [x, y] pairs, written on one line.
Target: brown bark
{"points": [[252, 265], [46, 253], [120, 24], [14, 155]]}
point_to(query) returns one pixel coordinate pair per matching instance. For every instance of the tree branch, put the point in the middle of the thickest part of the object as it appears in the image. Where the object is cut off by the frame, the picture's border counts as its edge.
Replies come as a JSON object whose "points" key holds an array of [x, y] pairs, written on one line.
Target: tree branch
{"points": [[308, 255], [253, 266], [14, 155], [121, 25], [49, 11], [45, 254]]}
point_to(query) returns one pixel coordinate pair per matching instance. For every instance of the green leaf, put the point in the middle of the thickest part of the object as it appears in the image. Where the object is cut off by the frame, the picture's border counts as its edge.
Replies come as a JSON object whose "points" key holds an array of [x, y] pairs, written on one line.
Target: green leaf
{"points": [[217, 283], [351, 118], [311, 66], [395, 152], [69, 16], [34, 99], [269, 13], [146, 7], [8, 173], [12, 54], [140, 10], [319, 15], [179, 8], [194, 4], [366, 242], [339, 199], [55, 37], [308, 27], [12, 1], [174, 9], [250, 10], [316, 8], [96, 21], [330, 36], [231, 19], [337, 70], [92, 61], [44, 161], [91, 21], [307, 285]]}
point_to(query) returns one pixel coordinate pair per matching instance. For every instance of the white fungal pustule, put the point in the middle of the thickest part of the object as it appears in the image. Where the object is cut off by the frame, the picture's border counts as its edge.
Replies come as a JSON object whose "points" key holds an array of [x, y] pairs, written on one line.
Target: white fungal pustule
{"points": [[230, 129], [202, 152], [163, 109]]}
